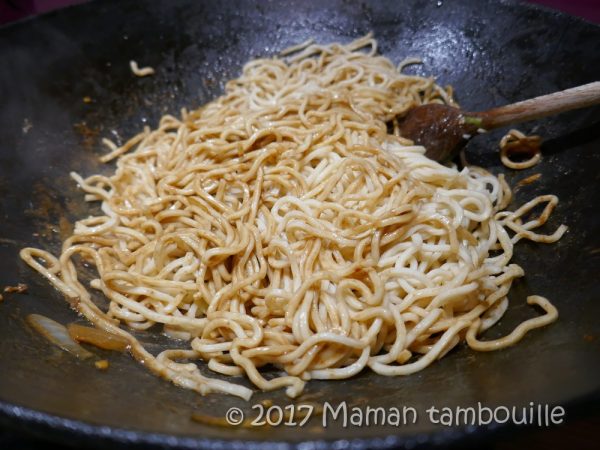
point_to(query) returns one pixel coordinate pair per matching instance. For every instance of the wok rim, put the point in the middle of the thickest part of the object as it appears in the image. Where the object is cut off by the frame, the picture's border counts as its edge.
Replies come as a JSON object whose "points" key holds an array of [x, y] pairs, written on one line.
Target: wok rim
{"points": [[55, 426]]}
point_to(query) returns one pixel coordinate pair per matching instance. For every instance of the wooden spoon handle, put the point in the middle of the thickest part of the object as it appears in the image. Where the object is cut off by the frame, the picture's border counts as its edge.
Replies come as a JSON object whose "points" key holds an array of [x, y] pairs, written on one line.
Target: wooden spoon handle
{"points": [[538, 107]]}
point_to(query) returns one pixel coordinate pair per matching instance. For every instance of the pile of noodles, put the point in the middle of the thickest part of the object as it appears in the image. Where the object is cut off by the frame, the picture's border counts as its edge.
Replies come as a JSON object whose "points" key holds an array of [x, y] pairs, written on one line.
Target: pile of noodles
{"points": [[283, 224]]}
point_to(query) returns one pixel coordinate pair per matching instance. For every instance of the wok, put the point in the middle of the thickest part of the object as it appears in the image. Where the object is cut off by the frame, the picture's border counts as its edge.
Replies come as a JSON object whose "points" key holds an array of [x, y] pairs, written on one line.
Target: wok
{"points": [[492, 52]]}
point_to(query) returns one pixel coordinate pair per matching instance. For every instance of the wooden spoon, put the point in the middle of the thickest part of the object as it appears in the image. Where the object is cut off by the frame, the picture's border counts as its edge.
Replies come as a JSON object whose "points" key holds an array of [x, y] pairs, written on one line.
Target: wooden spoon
{"points": [[443, 130]]}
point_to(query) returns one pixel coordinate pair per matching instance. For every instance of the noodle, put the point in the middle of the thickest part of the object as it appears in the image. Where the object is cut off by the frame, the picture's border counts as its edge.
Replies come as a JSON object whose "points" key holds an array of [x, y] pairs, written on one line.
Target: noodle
{"points": [[517, 334], [297, 47], [281, 224], [140, 71], [516, 142]]}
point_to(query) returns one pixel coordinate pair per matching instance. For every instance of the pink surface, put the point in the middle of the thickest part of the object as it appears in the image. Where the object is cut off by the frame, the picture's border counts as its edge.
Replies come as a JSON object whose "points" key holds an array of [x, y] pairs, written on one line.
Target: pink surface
{"points": [[11, 10], [588, 9]]}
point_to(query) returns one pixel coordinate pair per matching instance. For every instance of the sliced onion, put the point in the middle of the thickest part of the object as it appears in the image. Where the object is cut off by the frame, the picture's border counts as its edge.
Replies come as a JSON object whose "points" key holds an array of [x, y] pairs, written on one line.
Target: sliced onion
{"points": [[97, 337], [57, 334]]}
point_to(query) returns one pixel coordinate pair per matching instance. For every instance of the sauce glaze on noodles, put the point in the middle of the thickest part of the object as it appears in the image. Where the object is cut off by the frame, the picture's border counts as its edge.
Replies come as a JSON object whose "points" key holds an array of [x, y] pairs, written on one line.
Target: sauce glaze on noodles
{"points": [[282, 224]]}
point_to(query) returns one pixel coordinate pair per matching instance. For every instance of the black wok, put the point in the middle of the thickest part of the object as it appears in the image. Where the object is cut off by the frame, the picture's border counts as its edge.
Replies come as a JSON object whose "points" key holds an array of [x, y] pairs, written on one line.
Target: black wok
{"points": [[491, 52]]}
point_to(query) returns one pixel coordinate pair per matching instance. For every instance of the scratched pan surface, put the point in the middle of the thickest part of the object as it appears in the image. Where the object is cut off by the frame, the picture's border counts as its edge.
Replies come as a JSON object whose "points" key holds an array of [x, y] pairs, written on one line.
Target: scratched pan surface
{"points": [[491, 52]]}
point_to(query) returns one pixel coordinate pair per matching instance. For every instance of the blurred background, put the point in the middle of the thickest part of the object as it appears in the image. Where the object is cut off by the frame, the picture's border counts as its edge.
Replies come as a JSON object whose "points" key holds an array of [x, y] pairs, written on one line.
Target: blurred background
{"points": [[11, 10]]}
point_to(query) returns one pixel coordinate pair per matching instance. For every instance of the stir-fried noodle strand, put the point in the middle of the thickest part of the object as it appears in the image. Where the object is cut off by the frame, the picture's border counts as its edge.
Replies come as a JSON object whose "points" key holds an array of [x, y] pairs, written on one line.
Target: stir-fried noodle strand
{"points": [[515, 142]]}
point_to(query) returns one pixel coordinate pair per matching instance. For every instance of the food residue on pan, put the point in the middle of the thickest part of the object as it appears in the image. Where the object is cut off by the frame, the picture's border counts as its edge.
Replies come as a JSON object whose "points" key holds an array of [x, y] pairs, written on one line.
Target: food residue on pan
{"points": [[57, 334], [47, 209], [97, 337], [101, 364], [27, 125], [68, 339], [205, 419], [530, 179], [88, 134], [140, 71], [18, 289], [6, 241]]}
